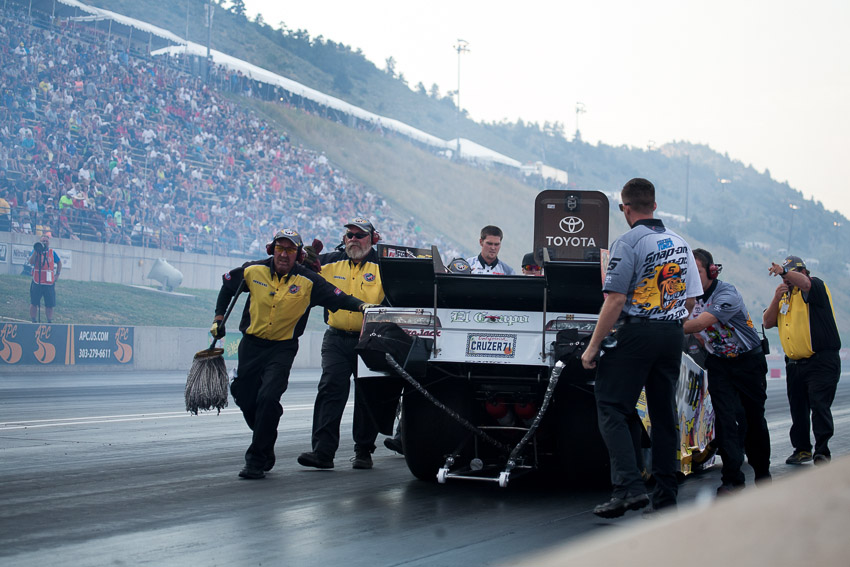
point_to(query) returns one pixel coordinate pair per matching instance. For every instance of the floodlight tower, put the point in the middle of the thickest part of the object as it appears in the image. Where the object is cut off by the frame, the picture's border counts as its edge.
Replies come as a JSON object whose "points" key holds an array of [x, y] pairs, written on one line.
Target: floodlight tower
{"points": [[793, 208], [579, 110], [462, 46]]}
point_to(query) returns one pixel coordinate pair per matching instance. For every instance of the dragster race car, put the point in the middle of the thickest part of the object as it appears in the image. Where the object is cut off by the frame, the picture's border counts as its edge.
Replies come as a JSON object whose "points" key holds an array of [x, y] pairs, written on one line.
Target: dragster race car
{"points": [[489, 366]]}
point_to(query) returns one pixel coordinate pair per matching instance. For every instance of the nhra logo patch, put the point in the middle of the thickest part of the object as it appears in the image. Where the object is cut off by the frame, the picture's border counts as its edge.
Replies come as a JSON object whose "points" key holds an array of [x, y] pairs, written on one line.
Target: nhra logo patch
{"points": [[369, 277], [294, 288]]}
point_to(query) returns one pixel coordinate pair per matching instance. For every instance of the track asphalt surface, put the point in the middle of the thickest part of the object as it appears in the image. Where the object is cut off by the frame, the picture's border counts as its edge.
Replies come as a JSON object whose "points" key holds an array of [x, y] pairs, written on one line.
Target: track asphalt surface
{"points": [[108, 469]]}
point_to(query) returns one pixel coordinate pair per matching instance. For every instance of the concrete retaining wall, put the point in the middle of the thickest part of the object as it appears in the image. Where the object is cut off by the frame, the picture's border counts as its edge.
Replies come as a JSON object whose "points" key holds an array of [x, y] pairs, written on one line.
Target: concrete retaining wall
{"points": [[113, 263], [164, 348]]}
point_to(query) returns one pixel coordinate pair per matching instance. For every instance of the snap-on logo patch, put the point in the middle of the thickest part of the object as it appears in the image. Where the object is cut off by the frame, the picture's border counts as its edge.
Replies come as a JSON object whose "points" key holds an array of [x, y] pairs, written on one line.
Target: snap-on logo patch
{"points": [[370, 277], [337, 291], [294, 288]]}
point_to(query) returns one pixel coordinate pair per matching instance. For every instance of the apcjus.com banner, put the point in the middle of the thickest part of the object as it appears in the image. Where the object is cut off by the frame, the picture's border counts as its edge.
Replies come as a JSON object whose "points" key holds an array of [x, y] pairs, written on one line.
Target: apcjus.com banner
{"points": [[31, 343]]}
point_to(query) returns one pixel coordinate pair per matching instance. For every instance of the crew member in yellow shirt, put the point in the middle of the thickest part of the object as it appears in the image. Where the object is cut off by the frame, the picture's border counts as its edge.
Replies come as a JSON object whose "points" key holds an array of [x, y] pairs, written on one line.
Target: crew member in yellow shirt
{"points": [[802, 309], [354, 270], [281, 293]]}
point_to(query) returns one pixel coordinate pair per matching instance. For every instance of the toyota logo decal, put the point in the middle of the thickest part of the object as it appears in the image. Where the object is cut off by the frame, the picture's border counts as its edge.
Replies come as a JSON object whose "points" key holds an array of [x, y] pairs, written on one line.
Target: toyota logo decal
{"points": [[571, 225]]}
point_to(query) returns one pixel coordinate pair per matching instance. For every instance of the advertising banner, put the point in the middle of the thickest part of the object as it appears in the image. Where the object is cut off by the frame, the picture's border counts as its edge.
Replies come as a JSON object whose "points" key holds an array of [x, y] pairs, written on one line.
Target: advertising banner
{"points": [[30, 343], [4, 252], [230, 344], [21, 255]]}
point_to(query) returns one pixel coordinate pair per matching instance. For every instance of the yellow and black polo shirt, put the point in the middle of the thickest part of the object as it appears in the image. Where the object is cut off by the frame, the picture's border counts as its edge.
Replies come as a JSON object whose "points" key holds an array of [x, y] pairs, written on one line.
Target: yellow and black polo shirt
{"points": [[807, 324], [277, 307], [362, 280]]}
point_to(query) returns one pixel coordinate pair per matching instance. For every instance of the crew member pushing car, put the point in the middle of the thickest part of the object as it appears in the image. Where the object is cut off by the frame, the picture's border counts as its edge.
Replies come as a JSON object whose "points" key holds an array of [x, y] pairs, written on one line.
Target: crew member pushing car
{"points": [[651, 282], [280, 295]]}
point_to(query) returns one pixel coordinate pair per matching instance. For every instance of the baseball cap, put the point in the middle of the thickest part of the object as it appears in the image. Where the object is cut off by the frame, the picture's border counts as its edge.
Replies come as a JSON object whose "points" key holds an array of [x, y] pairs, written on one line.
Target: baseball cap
{"points": [[792, 262], [459, 266], [528, 260], [288, 234], [362, 224]]}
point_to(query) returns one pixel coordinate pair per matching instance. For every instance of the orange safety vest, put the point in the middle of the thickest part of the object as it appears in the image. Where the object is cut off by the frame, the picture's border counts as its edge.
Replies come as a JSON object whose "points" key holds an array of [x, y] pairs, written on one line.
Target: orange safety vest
{"points": [[46, 275]]}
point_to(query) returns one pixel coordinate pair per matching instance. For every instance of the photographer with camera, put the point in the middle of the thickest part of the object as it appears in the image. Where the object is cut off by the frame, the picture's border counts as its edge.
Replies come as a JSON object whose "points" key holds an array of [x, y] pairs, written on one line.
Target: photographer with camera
{"points": [[46, 268]]}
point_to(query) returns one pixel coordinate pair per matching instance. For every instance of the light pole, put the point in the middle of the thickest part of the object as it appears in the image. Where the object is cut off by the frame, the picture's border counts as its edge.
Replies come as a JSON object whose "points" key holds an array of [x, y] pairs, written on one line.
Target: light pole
{"points": [[687, 183], [462, 46], [579, 110], [793, 208], [210, 11]]}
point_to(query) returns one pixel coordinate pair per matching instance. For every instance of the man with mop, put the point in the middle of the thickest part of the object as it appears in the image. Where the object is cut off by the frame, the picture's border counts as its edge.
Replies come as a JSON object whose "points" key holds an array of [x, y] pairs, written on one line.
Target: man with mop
{"points": [[281, 293]]}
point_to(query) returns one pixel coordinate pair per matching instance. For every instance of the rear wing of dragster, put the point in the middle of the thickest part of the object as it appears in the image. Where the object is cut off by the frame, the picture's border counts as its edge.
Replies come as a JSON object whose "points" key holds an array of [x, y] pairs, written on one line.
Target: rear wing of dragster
{"points": [[570, 231]]}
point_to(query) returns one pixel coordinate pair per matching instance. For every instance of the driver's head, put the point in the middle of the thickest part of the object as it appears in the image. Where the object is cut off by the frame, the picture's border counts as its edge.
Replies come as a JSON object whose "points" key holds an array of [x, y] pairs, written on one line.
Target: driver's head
{"points": [[491, 243]]}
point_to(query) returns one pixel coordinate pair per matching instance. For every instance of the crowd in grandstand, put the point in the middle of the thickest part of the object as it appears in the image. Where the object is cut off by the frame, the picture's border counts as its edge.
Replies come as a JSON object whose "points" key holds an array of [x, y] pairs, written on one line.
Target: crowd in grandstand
{"points": [[98, 144]]}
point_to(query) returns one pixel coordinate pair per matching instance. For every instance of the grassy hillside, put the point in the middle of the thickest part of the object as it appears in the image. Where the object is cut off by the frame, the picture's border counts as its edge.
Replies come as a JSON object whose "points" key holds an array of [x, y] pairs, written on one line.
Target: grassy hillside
{"points": [[453, 201]]}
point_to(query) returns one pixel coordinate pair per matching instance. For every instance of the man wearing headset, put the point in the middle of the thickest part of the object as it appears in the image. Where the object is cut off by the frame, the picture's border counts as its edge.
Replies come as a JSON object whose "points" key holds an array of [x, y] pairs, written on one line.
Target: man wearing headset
{"points": [[280, 295], [737, 375], [353, 269], [802, 309]]}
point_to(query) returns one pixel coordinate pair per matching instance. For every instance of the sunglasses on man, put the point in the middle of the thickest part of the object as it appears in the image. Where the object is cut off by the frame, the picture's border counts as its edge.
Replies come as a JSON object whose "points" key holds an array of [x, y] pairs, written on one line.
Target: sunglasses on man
{"points": [[285, 249], [357, 235]]}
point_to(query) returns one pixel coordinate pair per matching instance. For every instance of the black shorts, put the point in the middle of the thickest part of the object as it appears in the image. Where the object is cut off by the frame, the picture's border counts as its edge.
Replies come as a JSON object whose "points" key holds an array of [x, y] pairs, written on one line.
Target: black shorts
{"points": [[48, 292]]}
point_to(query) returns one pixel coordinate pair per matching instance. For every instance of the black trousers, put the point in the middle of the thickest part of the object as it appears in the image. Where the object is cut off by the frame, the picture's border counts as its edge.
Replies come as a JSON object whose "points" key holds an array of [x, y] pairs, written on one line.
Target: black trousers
{"points": [[339, 364], [261, 379], [738, 388], [811, 385], [647, 355]]}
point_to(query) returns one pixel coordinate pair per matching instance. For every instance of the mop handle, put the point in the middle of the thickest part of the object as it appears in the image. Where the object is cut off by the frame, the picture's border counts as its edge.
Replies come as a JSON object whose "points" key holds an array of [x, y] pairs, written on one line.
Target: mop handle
{"points": [[230, 307]]}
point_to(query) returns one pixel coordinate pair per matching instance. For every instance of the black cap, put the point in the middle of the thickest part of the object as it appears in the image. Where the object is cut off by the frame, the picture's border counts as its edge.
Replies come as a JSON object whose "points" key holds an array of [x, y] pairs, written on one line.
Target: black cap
{"points": [[362, 224], [288, 234], [528, 260], [792, 262]]}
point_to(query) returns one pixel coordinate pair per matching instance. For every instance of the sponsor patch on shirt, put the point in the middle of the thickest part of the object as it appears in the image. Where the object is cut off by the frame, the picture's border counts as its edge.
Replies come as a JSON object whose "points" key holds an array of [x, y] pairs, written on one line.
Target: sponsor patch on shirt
{"points": [[337, 291], [294, 288], [227, 276], [370, 277], [665, 244], [260, 283]]}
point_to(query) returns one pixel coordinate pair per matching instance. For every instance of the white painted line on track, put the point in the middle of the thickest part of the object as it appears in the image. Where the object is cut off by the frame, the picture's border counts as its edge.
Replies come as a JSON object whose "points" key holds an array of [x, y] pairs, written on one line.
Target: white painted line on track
{"points": [[61, 422]]}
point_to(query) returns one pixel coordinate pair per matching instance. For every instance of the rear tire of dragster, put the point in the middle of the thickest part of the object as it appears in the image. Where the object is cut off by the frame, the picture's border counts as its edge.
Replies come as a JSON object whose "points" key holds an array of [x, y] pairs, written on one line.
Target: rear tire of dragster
{"points": [[429, 433], [582, 455]]}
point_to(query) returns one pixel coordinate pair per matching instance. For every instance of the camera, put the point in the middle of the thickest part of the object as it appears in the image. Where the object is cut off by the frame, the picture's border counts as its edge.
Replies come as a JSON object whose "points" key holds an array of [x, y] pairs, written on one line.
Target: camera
{"points": [[38, 247]]}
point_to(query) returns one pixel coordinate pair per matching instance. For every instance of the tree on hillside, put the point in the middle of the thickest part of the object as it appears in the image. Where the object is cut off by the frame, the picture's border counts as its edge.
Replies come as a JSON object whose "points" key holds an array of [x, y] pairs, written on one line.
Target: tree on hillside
{"points": [[390, 66], [238, 7], [420, 88], [434, 91]]}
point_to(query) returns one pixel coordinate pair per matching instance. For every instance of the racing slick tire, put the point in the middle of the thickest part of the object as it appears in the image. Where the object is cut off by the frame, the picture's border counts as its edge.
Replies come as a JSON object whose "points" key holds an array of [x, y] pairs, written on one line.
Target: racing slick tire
{"points": [[428, 433]]}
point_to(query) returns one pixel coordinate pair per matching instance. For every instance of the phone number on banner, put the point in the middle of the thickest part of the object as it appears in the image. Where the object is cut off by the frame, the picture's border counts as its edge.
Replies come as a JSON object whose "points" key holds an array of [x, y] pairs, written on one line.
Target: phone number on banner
{"points": [[94, 353]]}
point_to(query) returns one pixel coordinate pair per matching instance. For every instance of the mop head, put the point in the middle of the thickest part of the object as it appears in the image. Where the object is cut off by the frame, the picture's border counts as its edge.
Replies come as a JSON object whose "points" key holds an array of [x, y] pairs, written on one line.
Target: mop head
{"points": [[207, 382]]}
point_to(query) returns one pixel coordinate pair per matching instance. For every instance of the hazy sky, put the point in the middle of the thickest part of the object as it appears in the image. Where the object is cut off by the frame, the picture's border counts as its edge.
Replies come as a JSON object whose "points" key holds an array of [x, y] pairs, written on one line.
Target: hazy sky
{"points": [[767, 82]]}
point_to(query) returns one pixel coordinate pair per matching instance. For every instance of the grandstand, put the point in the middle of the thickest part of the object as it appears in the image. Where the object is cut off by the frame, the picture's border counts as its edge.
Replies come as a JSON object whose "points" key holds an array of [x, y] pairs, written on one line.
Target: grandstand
{"points": [[103, 143]]}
